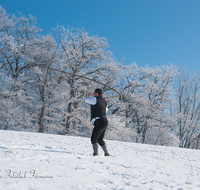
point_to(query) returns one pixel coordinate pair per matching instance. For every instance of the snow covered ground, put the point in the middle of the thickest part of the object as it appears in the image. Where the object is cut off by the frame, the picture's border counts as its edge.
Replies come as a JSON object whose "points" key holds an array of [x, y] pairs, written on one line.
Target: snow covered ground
{"points": [[33, 161]]}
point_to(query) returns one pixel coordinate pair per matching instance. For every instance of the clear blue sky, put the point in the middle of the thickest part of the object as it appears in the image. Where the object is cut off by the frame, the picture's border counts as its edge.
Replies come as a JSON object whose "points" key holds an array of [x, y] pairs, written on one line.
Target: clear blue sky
{"points": [[153, 32]]}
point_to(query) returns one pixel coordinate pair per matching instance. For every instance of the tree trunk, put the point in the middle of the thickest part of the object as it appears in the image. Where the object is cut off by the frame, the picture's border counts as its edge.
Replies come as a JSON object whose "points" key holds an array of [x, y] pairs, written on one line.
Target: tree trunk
{"points": [[144, 131], [72, 94], [68, 120], [41, 121], [198, 139]]}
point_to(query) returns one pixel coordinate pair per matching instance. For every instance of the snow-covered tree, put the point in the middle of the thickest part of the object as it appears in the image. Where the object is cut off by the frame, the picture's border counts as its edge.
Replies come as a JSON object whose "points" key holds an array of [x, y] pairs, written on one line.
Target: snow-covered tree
{"points": [[14, 112], [42, 80], [117, 130], [146, 98], [83, 55], [15, 34], [187, 109], [17, 38]]}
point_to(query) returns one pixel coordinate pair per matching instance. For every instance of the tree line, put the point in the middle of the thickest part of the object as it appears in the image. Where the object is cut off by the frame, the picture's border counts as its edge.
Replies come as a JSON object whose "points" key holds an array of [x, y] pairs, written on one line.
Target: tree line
{"points": [[158, 105]]}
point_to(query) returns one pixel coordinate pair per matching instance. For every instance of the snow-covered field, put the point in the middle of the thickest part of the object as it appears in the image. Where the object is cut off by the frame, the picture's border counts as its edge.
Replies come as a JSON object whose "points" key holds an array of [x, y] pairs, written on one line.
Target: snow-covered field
{"points": [[33, 161]]}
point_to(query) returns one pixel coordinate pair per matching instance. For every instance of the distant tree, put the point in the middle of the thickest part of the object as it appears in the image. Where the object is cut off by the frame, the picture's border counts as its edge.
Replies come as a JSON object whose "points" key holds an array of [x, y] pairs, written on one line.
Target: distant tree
{"points": [[146, 98], [187, 109], [117, 130], [161, 136]]}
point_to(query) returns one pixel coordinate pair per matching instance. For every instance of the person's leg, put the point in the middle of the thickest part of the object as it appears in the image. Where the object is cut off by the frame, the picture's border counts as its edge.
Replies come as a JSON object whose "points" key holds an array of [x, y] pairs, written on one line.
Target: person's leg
{"points": [[94, 137], [97, 136], [100, 139], [101, 142], [95, 149], [104, 147], [95, 132]]}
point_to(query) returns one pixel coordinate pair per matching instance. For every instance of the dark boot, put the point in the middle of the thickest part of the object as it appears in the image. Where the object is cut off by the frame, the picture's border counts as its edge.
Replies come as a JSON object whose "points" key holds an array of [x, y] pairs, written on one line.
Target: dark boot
{"points": [[104, 147], [95, 149]]}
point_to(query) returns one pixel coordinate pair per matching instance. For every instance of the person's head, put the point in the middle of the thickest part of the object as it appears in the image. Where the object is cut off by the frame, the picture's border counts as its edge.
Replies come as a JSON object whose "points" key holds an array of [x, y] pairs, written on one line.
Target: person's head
{"points": [[98, 92]]}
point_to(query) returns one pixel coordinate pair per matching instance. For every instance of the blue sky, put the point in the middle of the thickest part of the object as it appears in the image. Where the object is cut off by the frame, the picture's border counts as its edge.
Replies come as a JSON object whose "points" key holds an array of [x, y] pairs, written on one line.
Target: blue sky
{"points": [[153, 32]]}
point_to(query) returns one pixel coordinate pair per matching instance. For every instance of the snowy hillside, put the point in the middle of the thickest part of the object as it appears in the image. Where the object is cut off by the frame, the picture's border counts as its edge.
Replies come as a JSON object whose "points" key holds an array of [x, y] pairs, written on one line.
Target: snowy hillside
{"points": [[33, 161]]}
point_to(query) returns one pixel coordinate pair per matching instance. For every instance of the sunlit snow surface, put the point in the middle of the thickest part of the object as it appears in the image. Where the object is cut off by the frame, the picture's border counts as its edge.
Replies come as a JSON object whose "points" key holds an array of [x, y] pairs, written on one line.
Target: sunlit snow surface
{"points": [[33, 161]]}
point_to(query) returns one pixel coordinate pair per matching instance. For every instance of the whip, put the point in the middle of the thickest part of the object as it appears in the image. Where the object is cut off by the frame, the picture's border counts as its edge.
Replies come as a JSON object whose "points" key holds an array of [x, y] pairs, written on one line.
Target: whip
{"points": [[78, 76]]}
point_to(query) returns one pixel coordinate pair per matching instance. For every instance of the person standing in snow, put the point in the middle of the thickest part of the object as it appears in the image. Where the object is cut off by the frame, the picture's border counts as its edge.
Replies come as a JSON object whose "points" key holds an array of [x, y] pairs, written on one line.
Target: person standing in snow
{"points": [[99, 119]]}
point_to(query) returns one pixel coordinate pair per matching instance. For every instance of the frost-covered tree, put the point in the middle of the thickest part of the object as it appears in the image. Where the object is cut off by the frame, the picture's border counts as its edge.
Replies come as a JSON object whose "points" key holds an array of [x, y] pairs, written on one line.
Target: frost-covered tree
{"points": [[117, 130], [15, 34], [187, 109], [13, 104], [146, 98], [45, 84], [83, 55], [161, 136], [5, 24], [16, 38]]}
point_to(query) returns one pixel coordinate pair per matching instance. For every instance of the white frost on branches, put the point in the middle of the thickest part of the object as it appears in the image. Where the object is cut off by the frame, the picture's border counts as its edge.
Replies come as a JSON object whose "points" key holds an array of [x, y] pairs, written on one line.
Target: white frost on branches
{"points": [[159, 105]]}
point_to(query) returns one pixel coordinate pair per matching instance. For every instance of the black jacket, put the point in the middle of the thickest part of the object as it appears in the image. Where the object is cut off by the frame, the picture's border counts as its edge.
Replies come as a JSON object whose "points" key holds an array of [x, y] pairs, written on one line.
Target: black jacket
{"points": [[99, 109]]}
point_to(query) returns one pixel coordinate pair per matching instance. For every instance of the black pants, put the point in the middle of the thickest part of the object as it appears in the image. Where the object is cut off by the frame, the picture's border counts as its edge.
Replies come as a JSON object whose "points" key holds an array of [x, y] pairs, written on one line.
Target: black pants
{"points": [[100, 126]]}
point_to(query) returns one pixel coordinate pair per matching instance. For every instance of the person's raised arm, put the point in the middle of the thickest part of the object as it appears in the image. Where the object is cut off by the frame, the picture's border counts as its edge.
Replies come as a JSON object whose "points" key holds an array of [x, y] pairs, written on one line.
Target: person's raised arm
{"points": [[91, 100]]}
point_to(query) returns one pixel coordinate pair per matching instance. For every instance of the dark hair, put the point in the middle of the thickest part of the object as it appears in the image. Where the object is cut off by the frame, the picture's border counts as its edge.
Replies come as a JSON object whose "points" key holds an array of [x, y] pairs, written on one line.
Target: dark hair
{"points": [[99, 91]]}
